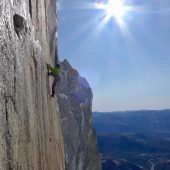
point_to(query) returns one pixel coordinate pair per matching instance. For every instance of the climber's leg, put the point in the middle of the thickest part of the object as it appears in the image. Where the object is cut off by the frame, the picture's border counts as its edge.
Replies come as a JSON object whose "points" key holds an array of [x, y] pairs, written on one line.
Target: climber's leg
{"points": [[53, 87]]}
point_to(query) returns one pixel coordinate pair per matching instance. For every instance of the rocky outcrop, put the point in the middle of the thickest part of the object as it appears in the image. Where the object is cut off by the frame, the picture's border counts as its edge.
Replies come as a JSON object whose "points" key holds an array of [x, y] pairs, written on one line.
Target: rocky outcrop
{"points": [[75, 101], [30, 132]]}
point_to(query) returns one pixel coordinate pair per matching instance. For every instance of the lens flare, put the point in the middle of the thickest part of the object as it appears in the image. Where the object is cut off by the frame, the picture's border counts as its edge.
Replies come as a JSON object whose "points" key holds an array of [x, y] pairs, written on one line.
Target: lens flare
{"points": [[115, 8]]}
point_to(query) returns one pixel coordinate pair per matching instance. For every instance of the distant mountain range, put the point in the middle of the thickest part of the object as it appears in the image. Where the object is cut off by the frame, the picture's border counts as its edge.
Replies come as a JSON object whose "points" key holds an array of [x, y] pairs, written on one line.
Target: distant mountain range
{"points": [[134, 140]]}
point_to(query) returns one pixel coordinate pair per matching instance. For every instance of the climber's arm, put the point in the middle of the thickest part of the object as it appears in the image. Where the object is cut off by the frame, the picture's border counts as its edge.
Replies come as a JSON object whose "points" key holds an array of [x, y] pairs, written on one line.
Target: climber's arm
{"points": [[50, 68]]}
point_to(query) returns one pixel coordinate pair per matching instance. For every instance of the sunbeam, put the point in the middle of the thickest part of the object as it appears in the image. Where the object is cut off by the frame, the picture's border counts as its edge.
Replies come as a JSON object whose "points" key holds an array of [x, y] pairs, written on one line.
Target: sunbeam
{"points": [[113, 8]]}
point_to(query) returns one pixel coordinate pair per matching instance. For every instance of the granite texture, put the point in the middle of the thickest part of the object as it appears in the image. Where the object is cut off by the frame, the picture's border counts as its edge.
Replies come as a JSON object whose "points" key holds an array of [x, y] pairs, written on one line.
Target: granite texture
{"points": [[30, 130]]}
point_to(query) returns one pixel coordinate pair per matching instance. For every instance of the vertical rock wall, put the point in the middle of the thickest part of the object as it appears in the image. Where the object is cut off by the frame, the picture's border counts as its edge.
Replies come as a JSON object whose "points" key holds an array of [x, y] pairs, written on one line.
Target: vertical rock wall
{"points": [[75, 101], [30, 132]]}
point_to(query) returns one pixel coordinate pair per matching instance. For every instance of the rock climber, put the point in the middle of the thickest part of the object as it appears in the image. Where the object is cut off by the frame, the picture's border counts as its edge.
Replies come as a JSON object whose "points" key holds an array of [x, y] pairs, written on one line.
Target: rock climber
{"points": [[55, 73]]}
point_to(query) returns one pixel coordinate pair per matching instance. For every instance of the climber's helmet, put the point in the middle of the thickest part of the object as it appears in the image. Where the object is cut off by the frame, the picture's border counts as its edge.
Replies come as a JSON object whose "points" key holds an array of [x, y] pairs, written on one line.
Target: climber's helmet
{"points": [[58, 66]]}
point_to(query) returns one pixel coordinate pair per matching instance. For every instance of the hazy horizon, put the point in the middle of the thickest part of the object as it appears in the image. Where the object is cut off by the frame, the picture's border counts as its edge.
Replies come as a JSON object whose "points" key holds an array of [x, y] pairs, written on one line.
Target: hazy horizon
{"points": [[127, 63], [166, 109]]}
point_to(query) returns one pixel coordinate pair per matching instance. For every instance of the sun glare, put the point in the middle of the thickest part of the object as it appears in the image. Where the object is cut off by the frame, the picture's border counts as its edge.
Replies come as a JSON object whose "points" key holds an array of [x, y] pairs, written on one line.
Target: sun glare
{"points": [[115, 8]]}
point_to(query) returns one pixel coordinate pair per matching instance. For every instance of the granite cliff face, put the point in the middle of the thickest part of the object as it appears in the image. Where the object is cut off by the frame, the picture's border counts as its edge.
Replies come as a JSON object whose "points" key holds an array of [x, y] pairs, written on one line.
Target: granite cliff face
{"points": [[30, 132], [75, 101]]}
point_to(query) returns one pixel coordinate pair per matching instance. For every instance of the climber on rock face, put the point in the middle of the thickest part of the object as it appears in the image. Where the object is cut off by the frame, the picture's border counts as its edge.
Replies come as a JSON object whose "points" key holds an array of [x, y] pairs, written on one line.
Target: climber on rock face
{"points": [[55, 72]]}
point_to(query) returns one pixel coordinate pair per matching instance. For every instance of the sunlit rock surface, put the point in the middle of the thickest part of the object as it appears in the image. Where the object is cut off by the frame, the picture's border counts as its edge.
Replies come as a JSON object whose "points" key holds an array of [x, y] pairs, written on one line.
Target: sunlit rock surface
{"points": [[75, 101], [30, 131]]}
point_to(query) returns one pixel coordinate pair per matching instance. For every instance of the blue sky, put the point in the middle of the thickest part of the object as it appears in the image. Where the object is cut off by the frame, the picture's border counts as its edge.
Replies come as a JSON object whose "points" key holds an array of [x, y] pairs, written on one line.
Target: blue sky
{"points": [[127, 68]]}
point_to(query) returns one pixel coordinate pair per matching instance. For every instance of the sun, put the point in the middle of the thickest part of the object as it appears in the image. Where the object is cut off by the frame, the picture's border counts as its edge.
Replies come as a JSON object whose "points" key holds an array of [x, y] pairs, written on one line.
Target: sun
{"points": [[116, 11], [115, 8]]}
